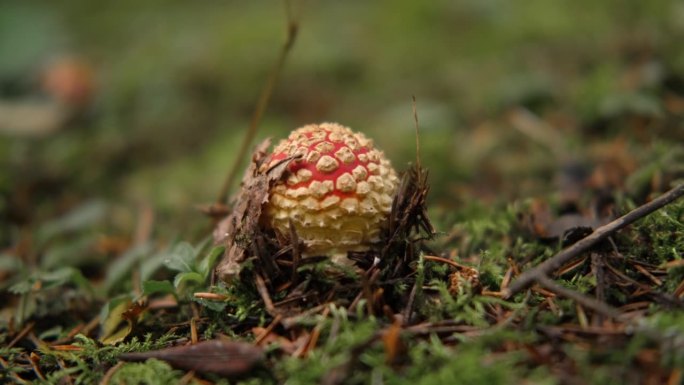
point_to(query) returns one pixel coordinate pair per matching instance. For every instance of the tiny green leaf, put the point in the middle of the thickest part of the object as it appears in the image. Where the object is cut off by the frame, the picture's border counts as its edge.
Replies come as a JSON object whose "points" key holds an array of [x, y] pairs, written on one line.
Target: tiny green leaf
{"points": [[184, 278], [154, 287], [181, 258]]}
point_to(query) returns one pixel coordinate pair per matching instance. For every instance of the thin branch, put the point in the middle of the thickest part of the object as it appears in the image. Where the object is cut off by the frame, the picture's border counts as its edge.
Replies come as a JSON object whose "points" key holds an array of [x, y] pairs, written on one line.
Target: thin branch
{"points": [[262, 103], [265, 296], [538, 130], [445, 260], [415, 119], [296, 254], [110, 373], [22, 334], [268, 330], [408, 311], [527, 278], [598, 306]]}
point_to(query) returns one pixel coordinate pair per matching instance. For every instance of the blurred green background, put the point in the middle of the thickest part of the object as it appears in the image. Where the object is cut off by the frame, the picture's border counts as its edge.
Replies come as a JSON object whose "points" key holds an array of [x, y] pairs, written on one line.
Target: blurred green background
{"points": [[156, 95]]}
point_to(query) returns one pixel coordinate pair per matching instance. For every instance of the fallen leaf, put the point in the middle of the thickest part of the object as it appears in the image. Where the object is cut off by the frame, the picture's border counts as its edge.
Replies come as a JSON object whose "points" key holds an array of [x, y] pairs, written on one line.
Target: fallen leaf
{"points": [[568, 227], [225, 358], [116, 326], [238, 230]]}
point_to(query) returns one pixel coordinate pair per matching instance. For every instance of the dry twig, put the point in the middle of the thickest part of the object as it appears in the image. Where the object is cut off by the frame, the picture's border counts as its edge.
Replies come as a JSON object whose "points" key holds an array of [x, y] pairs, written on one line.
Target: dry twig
{"points": [[110, 373], [542, 270], [262, 103], [591, 303], [265, 296], [22, 334]]}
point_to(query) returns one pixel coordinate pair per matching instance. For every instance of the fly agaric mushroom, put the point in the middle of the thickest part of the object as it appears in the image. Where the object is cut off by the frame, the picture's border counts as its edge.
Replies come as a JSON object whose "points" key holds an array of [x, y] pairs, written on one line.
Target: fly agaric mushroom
{"points": [[337, 193]]}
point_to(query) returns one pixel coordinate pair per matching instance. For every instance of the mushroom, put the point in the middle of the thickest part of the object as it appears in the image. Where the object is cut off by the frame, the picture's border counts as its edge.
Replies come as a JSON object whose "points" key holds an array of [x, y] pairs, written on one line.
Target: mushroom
{"points": [[337, 193]]}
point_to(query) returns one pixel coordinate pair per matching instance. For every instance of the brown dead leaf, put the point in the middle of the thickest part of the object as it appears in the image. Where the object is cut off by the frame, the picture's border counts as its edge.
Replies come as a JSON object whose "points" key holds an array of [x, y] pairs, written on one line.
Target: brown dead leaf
{"points": [[120, 321], [225, 358], [568, 227], [238, 230], [614, 161]]}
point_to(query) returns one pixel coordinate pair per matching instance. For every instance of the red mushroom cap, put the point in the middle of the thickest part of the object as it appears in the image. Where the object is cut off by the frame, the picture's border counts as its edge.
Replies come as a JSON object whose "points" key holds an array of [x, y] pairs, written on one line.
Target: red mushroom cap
{"points": [[338, 194]]}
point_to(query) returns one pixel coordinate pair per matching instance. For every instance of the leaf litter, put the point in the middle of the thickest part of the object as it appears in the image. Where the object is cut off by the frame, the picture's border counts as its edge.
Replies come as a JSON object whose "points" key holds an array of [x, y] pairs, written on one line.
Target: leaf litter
{"points": [[405, 293]]}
